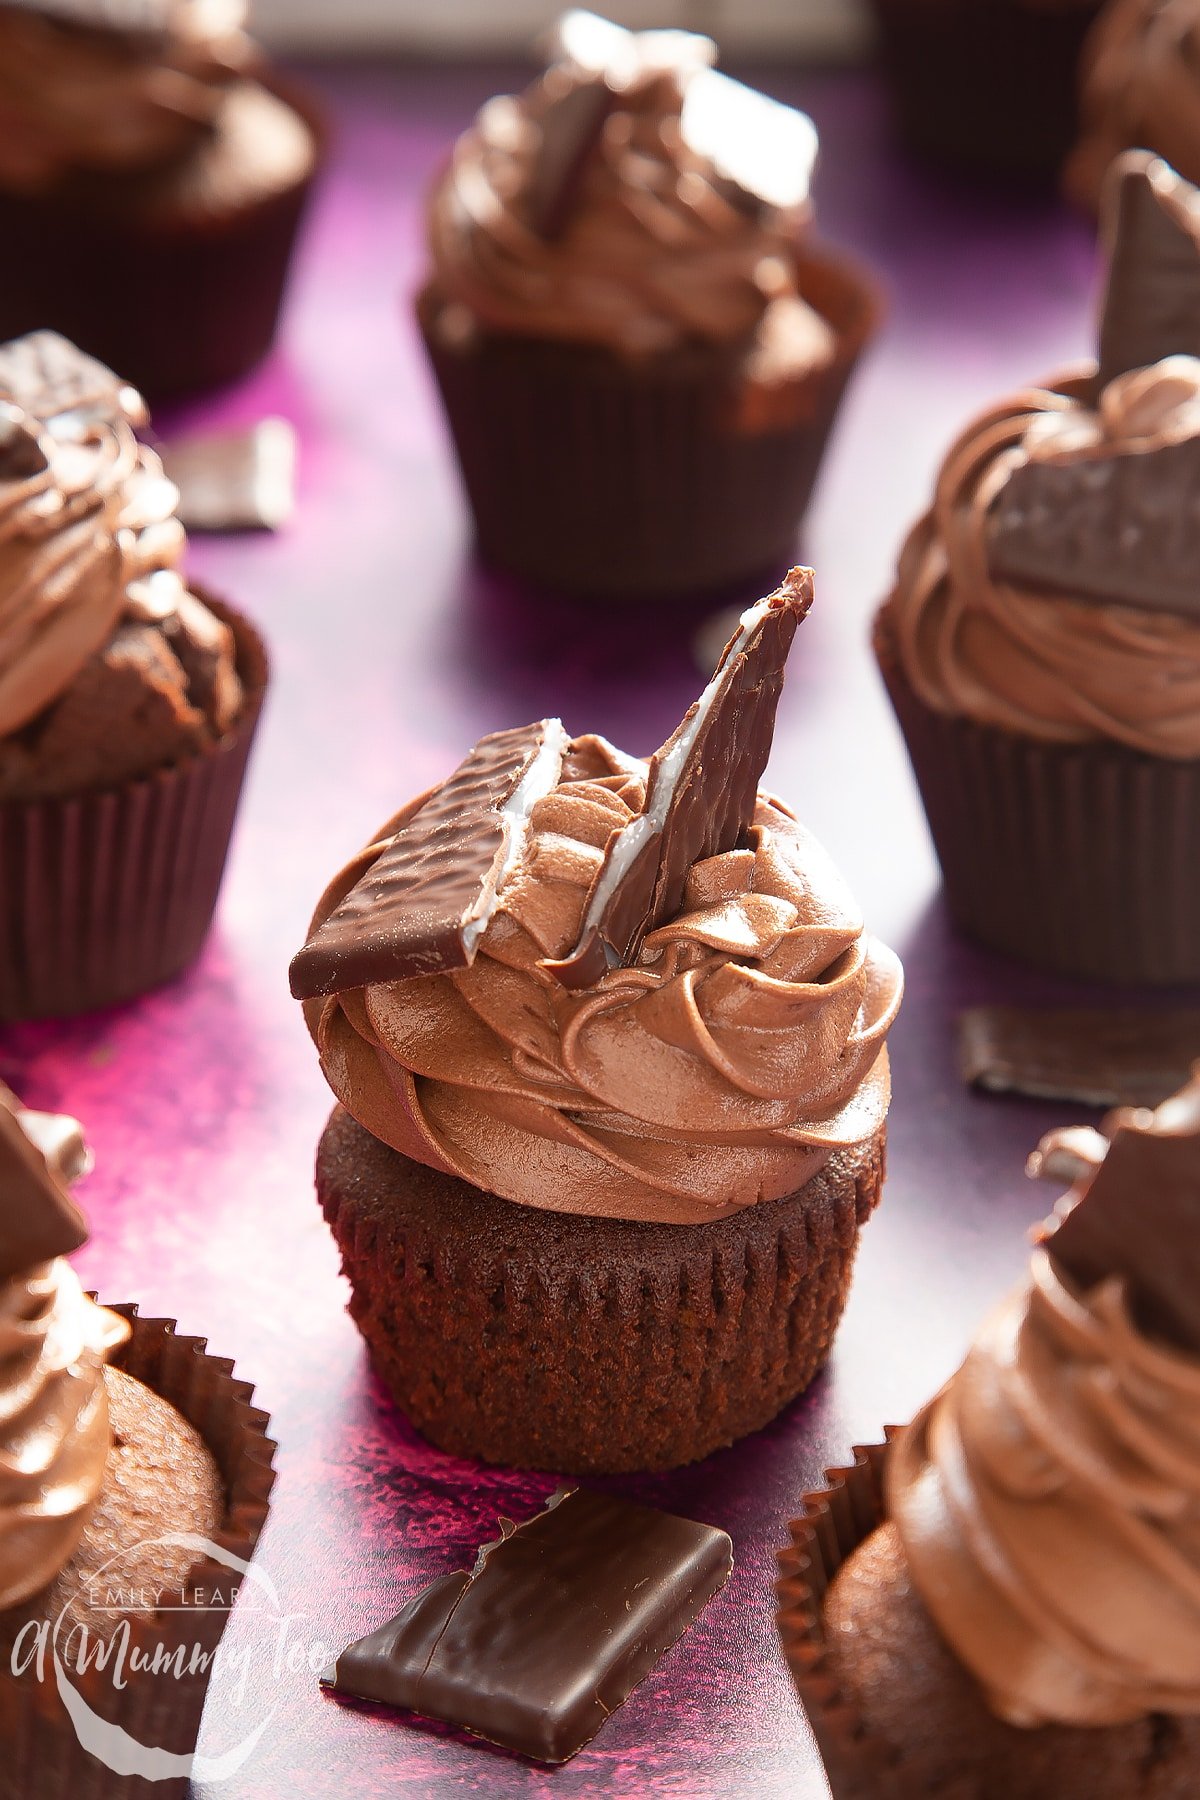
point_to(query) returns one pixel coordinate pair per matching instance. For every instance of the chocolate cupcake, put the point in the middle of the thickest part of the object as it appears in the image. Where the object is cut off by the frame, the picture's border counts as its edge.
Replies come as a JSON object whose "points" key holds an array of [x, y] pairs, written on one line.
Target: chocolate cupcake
{"points": [[123, 1448], [1140, 89], [608, 1042], [639, 346], [1003, 1601], [128, 700], [1042, 644], [985, 87], [152, 178]]}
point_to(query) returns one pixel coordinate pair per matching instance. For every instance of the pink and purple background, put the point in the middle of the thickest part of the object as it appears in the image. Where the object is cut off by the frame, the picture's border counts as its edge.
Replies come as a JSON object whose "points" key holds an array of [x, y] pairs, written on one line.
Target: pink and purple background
{"points": [[392, 652]]}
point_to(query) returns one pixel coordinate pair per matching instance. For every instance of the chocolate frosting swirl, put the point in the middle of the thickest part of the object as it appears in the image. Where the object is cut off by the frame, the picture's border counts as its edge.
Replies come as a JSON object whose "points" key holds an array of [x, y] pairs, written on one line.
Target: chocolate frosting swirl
{"points": [[743, 1046], [657, 250], [1048, 1500], [80, 95], [1050, 666]]}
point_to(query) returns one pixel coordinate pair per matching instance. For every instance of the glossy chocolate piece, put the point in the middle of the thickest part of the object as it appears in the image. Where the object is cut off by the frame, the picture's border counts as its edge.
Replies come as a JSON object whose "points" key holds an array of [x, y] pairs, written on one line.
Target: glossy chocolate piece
{"points": [[238, 480], [46, 376], [1101, 1056], [1151, 305], [554, 1627], [701, 791], [38, 1218], [571, 126], [423, 903], [1139, 1219]]}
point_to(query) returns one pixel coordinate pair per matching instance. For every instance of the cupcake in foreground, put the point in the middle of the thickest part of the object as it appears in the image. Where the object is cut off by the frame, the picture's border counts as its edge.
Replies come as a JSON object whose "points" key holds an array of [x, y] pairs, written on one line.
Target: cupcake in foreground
{"points": [[128, 699], [127, 1454], [1042, 644], [986, 87], [151, 184], [608, 1039], [639, 347], [1004, 1600], [1140, 89]]}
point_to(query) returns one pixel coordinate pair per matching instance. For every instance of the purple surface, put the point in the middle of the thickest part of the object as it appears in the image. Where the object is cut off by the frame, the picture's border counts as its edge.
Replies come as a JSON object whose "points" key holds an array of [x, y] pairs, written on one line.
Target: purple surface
{"points": [[392, 653]]}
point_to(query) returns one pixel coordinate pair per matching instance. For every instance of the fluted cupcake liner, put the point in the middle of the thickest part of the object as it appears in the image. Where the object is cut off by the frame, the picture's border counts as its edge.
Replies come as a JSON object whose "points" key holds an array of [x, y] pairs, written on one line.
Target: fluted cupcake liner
{"points": [[1082, 860], [172, 305], [579, 1344], [107, 894], [43, 1758], [602, 476], [990, 87]]}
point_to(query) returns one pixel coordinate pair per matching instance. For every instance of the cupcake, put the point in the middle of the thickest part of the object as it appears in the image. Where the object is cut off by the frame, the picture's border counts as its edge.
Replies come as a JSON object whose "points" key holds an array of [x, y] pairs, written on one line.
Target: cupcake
{"points": [[607, 1039], [1140, 89], [123, 1448], [152, 178], [1003, 1600], [985, 87], [1042, 644], [639, 346], [128, 698]]}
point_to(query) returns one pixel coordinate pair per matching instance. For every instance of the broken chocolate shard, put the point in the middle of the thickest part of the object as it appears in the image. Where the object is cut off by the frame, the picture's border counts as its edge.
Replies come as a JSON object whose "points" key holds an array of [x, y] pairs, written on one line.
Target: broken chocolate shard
{"points": [[701, 790], [571, 127], [46, 376], [238, 480], [1138, 1220], [38, 1218], [765, 149], [1120, 528], [424, 903], [1102, 1056], [559, 1620], [1151, 304]]}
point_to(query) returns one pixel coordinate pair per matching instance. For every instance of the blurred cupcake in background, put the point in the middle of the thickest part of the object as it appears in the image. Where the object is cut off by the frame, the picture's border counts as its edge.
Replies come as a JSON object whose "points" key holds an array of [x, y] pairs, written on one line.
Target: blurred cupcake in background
{"points": [[1140, 90], [640, 349], [1042, 644], [152, 178], [985, 87], [128, 698]]}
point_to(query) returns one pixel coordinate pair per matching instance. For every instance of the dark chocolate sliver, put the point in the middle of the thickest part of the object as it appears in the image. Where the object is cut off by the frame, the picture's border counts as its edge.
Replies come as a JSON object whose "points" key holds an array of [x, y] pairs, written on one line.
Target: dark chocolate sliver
{"points": [[1151, 305], [700, 794], [1121, 529], [46, 376], [1100, 1056], [38, 1218], [410, 913], [1139, 1220], [571, 129], [551, 1631]]}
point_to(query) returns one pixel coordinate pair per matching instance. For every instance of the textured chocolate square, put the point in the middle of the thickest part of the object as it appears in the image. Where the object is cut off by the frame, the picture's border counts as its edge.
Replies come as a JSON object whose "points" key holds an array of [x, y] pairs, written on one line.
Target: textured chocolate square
{"points": [[1101, 1056]]}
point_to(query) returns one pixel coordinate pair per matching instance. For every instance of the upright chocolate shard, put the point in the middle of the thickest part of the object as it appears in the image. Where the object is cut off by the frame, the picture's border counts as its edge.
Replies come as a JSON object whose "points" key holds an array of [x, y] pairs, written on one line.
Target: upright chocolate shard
{"points": [[46, 376], [571, 128], [38, 1218], [1139, 1220], [1151, 304], [552, 1630], [425, 902], [1121, 528], [764, 149], [701, 790]]}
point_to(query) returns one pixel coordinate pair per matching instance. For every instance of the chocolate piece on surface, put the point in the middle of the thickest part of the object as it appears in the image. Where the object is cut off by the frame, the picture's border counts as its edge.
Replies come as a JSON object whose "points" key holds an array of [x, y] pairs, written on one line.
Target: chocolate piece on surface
{"points": [[1138, 1220], [571, 127], [554, 1627], [425, 901], [38, 1218], [1151, 305], [1102, 1057], [46, 376], [701, 790], [240, 480]]}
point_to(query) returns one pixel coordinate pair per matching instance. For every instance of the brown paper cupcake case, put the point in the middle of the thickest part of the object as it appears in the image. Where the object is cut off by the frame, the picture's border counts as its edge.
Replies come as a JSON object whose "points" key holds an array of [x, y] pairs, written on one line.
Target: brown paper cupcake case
{"points": [[42, 1757], [579, 1344], [593, 476], [111, 893], [834, 1522], [1083, 860]]}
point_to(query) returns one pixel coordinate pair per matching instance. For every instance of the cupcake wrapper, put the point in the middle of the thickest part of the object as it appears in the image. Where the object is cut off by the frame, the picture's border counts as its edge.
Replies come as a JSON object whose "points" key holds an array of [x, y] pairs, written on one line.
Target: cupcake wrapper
{"points": [[172, 307], [580, 1344], [991, 86], [591, 475], [834, 1522], [109, 894], [43, 1758], [1081, 860]]}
